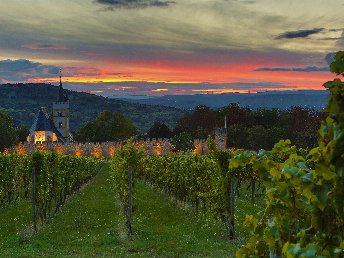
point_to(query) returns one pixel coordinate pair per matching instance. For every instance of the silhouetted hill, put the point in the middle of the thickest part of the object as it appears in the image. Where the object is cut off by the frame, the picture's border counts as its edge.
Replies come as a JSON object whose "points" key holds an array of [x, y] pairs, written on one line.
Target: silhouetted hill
{"points": [[22, 101], [272, 99]]}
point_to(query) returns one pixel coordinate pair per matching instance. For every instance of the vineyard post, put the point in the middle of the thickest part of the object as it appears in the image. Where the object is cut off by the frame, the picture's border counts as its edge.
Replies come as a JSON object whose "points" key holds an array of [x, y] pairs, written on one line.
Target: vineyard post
{"points": [[253, 190], [33, 199], [271, 254], [130, 201], [232, 206]]}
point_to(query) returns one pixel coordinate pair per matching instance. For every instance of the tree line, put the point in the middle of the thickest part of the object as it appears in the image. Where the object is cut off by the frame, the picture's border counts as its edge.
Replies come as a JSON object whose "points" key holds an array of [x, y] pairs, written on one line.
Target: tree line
{"points": [[246, 128]]}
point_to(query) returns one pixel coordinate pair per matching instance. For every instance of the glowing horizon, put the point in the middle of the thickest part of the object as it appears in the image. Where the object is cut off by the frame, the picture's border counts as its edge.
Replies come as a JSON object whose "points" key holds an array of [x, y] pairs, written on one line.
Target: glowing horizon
{"points": [[162, 52]]}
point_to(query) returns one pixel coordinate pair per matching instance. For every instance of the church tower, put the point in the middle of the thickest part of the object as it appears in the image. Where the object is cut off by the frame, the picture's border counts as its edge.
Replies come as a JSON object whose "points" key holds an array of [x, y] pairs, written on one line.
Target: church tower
{"points": [[61, 113], [221, 136]]}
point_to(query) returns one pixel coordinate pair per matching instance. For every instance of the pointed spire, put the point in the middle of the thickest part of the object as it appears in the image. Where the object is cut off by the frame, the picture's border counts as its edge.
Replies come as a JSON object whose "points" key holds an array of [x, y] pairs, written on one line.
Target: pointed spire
{"points": [[60, 77], [225, 121], [62, 94]]}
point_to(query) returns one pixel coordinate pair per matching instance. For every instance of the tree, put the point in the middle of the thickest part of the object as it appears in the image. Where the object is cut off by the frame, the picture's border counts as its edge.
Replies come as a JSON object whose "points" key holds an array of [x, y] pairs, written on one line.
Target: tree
{"points": [[337, 66], [108, 126], [236, 115], [159, 130], [263, 128], [8, 135], [22, 132], [301, 125], [266, 117], [199, 123], [263, 138], [237, 135]]}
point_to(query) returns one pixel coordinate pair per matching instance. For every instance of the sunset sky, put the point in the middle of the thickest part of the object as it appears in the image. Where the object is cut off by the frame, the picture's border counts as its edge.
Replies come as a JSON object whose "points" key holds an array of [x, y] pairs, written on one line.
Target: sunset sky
{"points": [[157, 47]]}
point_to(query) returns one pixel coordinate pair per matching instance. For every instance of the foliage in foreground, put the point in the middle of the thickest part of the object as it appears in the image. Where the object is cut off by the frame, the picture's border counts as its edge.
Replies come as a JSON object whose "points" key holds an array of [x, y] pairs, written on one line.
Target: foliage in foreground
{"points": [[90, 227], [123, 168], [56, 177], [304, 214]]}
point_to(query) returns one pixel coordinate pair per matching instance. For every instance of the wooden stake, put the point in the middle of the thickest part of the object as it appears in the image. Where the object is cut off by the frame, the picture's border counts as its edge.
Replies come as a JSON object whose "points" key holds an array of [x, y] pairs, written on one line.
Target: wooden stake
{"points": [[130, 201], [33, 200], [232, 208]]}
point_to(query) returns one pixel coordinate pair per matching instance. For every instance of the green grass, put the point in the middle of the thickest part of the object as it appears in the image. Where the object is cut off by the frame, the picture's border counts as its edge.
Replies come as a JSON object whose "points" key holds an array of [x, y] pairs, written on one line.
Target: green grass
{"points": [[91, 225], [13, 222]]}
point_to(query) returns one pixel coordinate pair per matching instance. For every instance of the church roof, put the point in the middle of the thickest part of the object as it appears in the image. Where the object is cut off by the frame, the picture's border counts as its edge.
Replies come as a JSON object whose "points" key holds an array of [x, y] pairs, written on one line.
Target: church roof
{"points": [[59, 135], [42, 122]]}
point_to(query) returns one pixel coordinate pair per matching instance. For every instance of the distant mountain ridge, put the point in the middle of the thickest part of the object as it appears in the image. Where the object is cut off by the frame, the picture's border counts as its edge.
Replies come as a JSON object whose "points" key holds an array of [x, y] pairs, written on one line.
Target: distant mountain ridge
{"points": [[316, 99], [22, 102]]}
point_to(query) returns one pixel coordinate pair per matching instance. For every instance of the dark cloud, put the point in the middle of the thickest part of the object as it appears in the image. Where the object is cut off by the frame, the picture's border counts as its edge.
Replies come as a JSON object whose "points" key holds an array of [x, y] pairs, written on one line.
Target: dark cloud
{"points": [[248, 1], [335, 30], [112, 4], [293, 69], [44, 47], [298, 34], [242, 1], [337, 38], [340, 42], [22, 70]]}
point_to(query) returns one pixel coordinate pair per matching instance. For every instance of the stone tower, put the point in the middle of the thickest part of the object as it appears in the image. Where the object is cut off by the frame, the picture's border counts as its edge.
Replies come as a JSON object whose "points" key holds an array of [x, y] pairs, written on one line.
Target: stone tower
{"points": [[61, 113], [221, 136]]}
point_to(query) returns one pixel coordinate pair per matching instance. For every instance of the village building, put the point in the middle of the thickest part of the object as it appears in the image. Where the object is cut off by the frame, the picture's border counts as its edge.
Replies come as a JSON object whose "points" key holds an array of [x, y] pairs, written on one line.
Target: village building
{"points": [[53, 128]]}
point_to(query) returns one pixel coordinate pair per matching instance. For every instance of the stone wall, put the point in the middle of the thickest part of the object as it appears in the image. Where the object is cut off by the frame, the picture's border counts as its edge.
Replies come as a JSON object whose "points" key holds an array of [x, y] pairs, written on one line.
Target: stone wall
{"points": [[108, 149]]}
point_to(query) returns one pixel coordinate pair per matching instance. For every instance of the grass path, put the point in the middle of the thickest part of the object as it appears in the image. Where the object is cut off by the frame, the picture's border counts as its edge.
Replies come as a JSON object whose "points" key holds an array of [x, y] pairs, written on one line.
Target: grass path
{"points": [[13, 221], [164, 230], [90, 226]]}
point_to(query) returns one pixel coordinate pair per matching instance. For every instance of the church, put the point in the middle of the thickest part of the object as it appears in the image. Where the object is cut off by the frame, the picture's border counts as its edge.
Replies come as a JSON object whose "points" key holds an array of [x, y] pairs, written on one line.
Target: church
{"points": [[53, 128]]}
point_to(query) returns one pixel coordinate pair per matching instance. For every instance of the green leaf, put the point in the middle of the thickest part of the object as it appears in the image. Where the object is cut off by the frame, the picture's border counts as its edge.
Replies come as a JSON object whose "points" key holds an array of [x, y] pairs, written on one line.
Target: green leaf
{"points": [[310, 251], [337, 66], [290, 170], [307, 177], [324, 171], [275, 172], [273, 229], [293, 249], [306, 192]]}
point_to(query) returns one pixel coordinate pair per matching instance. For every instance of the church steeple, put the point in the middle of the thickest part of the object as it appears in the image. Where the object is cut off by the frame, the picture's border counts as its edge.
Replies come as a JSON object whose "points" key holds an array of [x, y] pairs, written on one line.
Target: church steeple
{"points": [[60, 78], [61, 113], [62, 94]]}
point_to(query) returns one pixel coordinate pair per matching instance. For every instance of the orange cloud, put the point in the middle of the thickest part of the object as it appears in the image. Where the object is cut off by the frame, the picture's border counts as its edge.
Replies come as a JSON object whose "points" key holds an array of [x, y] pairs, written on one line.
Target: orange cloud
{"points": [[215, 71]]}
